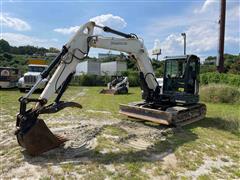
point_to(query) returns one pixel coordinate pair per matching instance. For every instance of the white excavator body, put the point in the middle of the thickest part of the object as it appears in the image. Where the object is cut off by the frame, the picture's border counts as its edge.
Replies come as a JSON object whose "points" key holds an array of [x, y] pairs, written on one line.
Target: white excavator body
{"points": [[33, 134]]}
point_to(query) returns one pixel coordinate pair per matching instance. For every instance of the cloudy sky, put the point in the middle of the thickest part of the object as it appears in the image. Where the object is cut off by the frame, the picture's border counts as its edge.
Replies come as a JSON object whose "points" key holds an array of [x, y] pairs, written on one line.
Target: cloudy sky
{"points": [[48, 23]]}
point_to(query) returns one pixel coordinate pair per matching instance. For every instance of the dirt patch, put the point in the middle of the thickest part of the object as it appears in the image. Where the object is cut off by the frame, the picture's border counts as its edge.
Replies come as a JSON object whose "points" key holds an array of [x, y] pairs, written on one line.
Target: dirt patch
{"points": [[103, 112], [83, 134], [170, 161], [80, 94], [141, 136], [207, 166], [24, 170], [152, 174]]}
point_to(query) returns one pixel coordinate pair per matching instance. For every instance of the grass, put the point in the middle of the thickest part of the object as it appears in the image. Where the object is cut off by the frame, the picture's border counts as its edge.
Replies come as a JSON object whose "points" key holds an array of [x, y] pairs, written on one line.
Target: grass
{"points": [[224, 116], [115, 131], [217, 135]]}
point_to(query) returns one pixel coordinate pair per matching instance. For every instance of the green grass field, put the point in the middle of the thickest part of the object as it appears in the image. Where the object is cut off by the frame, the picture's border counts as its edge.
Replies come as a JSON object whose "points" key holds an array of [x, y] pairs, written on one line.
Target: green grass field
{"points": [[208, 149]]}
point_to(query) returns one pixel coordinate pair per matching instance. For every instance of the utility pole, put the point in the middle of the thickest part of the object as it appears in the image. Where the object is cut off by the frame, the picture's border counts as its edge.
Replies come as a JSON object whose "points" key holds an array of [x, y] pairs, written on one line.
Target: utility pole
{"points": [[184, 43], [220, 58]]}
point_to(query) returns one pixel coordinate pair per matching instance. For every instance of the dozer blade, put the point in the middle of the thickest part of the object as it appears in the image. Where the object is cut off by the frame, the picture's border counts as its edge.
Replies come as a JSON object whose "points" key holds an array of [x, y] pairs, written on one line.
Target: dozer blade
{"points": [[145, 114], [39, 139], [108, 91], [173, 115]]}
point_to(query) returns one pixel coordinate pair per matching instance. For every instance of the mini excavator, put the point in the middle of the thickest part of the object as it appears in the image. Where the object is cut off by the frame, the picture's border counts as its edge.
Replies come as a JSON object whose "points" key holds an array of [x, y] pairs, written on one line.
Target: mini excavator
{"points": [[173, 103], [119, 85]]}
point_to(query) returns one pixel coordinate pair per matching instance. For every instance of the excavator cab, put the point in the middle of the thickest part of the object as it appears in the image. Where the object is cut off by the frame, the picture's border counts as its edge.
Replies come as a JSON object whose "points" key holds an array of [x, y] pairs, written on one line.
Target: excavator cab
{"points": [[181, 79]]}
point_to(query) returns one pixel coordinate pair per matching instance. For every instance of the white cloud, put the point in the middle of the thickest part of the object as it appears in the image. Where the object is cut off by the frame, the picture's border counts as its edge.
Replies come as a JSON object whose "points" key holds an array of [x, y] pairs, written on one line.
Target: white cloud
{"points": [[233, 13], [104, 20], [202, 30], [69, 30], [110, 20], [203, 38], [200, 39], [15, 39], [207, 5], [14, 23], [156, 44], [172, 45]]}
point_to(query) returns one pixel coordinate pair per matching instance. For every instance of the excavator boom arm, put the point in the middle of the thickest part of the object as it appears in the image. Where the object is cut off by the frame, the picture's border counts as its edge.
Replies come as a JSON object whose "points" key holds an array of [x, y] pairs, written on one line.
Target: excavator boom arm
{"points": [[79, 46]]}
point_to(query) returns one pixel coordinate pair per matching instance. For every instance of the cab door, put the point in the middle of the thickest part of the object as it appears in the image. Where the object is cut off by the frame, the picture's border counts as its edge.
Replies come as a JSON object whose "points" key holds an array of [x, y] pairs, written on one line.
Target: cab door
{"points": [[192, 75]]}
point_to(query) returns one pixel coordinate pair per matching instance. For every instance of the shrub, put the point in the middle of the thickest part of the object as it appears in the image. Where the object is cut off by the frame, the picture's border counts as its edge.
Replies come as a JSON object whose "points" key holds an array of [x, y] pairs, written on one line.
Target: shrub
{"points": [[94, 80], [219, 93], [90, 80], [213, 77], [133, 78]]}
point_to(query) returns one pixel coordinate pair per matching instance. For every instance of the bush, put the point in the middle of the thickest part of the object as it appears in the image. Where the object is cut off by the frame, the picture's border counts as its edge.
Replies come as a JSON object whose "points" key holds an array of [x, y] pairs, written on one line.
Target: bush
{"points": [[219, 93], [220, 78], [90, 80], [133, 78], [94, 80]]}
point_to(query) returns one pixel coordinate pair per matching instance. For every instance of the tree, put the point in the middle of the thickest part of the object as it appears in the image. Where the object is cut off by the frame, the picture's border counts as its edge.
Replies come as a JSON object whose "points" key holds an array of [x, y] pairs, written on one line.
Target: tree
{"points": [[4, 46], [235, 68], [53, 50]]}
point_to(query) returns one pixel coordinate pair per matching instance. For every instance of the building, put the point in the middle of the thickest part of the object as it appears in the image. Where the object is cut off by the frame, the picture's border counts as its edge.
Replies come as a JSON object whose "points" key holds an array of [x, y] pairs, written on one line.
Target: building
{"points": [[113, 68], [106, 55], [51, 54], [88, 67]]}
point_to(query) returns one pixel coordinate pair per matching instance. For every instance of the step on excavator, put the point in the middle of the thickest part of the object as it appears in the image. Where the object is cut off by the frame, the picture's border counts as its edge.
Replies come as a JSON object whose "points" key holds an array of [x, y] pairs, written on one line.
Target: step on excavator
{"points": [[173, 103], [119, 85]]}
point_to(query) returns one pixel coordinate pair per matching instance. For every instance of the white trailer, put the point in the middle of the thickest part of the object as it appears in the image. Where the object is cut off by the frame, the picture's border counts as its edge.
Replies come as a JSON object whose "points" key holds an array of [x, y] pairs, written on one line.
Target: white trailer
{"points": [[8, 77], [88, 67], [113, 68]]}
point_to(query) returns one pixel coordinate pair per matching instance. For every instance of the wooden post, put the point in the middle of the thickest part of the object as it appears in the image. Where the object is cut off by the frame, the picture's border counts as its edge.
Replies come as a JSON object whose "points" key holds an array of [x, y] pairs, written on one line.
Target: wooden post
{"points": [[220, 58]]}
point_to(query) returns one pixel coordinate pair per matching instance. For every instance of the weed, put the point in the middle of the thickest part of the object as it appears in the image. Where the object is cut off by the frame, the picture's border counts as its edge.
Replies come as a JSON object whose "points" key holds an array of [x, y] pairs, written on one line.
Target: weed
{"points": [[219, 93]]}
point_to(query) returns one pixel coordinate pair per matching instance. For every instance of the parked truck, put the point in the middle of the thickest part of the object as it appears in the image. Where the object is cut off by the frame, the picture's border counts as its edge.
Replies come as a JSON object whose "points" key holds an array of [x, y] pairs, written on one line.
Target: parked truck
{"points": [[35, 67]]}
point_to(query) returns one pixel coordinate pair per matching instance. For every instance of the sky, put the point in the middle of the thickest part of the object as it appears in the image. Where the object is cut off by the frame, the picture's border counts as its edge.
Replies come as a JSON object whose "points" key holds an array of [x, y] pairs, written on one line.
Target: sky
{"points": [[51, 23]]}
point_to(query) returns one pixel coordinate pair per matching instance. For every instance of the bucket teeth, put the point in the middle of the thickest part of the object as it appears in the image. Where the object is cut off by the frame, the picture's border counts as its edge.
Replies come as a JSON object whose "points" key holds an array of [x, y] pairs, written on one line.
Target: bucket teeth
{"points": [[40, 139]]}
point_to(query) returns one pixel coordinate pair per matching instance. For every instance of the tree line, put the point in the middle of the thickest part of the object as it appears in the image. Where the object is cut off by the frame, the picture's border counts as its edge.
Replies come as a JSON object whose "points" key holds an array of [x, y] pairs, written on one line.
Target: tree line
{"points": [[17, 57], [231, 64], [5, 47]]}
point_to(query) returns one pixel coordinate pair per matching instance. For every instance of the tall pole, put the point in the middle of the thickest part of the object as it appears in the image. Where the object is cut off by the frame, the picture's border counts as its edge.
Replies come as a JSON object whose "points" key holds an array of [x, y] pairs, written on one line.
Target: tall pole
{"points": [[220, 58], [184, 43]]}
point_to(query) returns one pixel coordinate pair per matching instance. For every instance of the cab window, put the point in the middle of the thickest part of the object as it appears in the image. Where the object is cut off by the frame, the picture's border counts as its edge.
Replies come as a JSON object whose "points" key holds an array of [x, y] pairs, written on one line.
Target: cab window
{"points": [[35, 69], [175, 69]]}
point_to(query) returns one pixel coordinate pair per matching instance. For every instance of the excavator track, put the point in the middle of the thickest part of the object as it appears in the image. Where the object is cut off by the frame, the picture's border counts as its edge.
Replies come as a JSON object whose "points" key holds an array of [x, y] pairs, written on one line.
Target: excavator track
{"points": [[174, 115]]}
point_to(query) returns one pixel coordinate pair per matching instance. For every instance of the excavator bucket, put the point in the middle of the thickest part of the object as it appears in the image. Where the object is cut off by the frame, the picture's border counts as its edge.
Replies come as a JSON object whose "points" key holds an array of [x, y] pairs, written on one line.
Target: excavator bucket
{"points": [[39, 139], [32, 133], [108, 91]]}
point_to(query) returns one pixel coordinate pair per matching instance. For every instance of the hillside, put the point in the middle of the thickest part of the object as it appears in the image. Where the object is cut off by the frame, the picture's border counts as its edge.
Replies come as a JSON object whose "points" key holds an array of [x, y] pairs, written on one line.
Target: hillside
{"points": [[11, 56]]}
